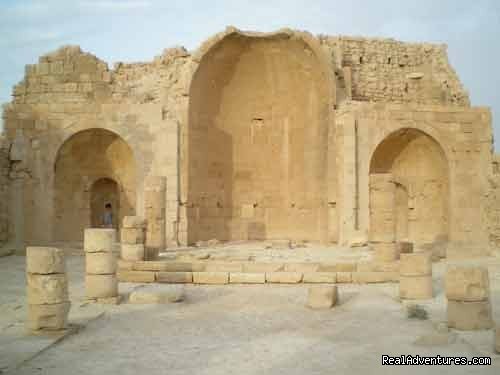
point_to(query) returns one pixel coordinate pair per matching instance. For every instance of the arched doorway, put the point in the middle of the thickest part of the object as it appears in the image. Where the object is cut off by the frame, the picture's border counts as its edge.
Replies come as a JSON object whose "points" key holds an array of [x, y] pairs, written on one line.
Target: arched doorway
{"points": [[92, 167], [257, 141], [420, 171], [104, 192]]}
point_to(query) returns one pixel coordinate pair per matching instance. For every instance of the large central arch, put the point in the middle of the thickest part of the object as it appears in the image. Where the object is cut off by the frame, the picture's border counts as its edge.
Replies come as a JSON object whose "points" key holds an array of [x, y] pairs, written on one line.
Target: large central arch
{"points": [[420, 171], [257, 140], [93, 167]]}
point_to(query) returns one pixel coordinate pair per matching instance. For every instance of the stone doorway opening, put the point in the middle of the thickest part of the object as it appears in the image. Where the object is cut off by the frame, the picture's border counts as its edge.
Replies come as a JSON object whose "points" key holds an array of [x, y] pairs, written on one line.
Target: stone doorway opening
{"points": [[104, 191]]}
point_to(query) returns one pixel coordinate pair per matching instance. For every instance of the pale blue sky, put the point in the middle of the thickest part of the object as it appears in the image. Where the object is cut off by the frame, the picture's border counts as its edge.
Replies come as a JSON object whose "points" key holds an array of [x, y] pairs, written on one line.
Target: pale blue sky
{"points": [[137, 30]]}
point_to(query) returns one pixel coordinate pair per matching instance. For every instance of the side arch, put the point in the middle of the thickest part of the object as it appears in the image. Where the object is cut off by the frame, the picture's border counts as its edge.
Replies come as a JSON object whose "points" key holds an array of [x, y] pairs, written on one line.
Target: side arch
{"points": [[420, 169], [86, 157]]}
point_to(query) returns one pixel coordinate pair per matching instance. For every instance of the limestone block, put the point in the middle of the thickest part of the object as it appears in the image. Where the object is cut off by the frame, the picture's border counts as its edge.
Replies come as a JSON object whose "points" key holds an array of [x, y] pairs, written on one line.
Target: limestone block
{"points": [[467, 283], [151, 253], [405, 247], [374, 277], [44, 260], [100, 263], [224, 267], [101, 286], [382, 227], [415, 287], [385, 251], [136, 276], [258, 267], [132, 252], [53, 316], [47, 289], [133, 222], [210, 277], [497, 339], [301, 267], [344, 277], [174, 277], [99, 240], [247, 278], [284, 277], [322, 297], [344, 267], [469, 315], [150, 266], [415, 264], [132, 236], [370, 266], [124, 264], [320, 277]]}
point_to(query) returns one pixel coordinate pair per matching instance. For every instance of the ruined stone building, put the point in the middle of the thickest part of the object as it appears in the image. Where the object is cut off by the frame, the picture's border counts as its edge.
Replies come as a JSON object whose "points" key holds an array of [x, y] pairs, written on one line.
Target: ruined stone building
{"points": [[251, 136]]}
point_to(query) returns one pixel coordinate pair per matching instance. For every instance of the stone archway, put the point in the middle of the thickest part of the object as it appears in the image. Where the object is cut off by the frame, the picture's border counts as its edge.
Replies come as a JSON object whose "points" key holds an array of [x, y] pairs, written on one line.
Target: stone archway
{"points": [[90, 166], [257, 140], [419, 169]]}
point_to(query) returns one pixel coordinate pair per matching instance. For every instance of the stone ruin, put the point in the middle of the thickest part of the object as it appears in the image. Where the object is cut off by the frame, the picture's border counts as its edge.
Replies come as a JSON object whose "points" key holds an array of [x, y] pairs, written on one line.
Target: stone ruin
{"points": [[253, 136]]}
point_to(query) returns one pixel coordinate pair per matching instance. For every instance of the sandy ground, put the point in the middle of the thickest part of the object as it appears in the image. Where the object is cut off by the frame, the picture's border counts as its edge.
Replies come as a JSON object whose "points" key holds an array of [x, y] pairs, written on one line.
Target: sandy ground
{"points": [[261, 329]]}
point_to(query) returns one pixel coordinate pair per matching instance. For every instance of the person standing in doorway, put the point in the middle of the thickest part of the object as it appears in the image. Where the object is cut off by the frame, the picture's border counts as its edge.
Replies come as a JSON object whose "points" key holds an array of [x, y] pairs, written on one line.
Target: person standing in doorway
{"points": [[107, 217]]}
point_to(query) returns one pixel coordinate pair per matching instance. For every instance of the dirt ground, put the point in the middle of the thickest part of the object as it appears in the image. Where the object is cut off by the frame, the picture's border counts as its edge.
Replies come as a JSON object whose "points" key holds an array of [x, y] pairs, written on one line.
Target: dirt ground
{"points": [[254, 329]]}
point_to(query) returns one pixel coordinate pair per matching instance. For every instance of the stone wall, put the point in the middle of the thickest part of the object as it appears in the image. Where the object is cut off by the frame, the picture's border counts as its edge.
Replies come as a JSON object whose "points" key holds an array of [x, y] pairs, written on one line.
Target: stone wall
{"points": [[386, 70], [492, 211], [4, 188]]}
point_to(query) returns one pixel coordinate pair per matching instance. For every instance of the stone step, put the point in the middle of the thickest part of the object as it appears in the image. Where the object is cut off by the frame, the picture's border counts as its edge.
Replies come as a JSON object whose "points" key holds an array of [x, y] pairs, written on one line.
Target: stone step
{"points": [[237, 277]]}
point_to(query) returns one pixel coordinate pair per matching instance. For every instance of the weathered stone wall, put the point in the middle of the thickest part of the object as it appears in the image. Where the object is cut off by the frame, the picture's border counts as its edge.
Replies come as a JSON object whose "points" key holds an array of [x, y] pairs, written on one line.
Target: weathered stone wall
{"points": [[4, 188], [386, 70], [491, 203]]}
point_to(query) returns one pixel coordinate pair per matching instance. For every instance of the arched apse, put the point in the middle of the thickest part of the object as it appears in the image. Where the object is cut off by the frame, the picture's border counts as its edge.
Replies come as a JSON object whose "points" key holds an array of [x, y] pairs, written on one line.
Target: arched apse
{"points": [[85, 162], [257, 140], [420, 171]]}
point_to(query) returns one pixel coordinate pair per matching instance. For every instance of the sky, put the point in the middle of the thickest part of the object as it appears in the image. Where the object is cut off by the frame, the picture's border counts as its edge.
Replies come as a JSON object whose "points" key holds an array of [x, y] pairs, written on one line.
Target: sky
{"points": [[138, 30]]}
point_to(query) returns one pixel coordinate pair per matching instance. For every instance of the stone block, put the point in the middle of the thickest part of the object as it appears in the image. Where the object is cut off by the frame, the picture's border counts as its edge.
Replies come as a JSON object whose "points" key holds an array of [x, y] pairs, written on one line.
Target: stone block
{"points": [[44, 260], [345, 267], [320, 277], [136, 276], [374, 277], [258, 267], [322, 297], [344, 277], [174, 277], [385, 251], [210, 277], [370, 266], [99, 240], [301, 267], [53, 316], [247, 278], [466, 283], [132, 252], [101, 286], [284, 277], [415, 287], [133, 222], [124, 264], [100, 263], [223, 267], [47, 289], [415, 264], [469, 316], [132, 236], [405, 247], [150, 266]]}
